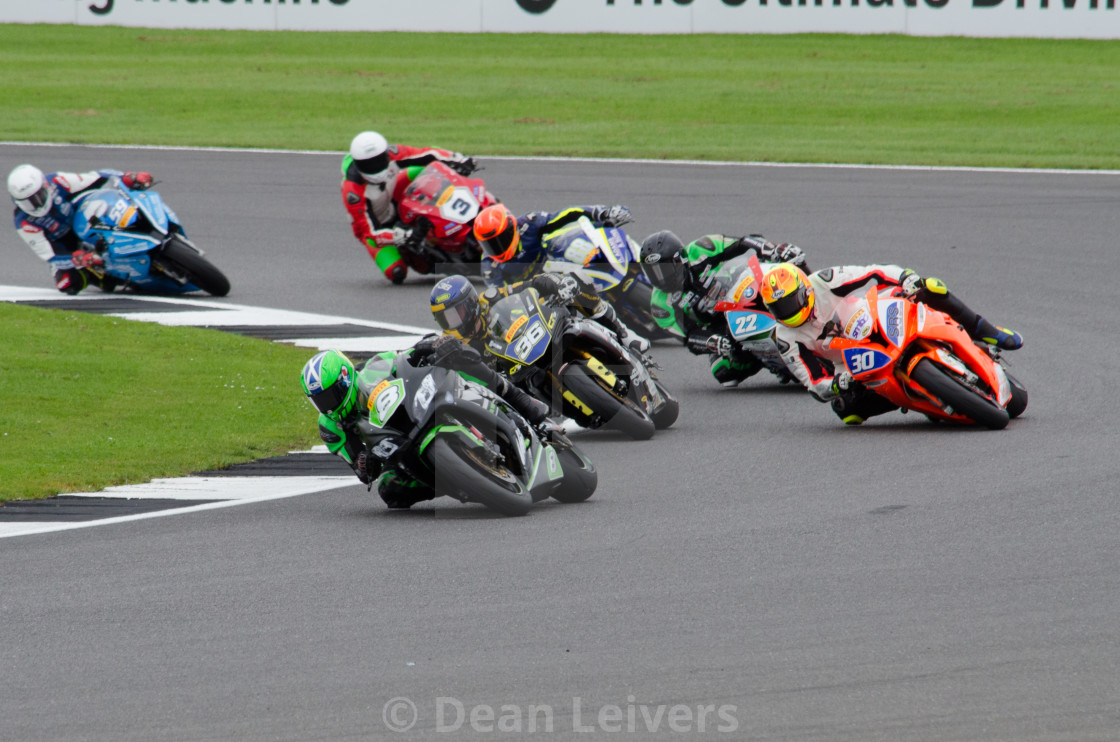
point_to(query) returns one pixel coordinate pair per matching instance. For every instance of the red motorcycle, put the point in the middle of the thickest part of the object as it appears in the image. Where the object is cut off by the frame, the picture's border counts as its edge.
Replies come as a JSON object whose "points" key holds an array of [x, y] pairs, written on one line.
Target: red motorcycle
{"points": [[440, 206]]}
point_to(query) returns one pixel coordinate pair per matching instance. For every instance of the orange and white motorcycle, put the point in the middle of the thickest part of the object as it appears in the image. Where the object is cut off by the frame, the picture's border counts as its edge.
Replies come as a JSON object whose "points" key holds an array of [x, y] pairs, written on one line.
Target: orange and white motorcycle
{"points": [[921, 359]]}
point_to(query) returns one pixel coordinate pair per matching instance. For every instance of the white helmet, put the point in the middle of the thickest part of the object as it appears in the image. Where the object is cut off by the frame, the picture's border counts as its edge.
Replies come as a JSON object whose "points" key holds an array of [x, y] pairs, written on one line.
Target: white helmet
{"points": [[30, 190], [371, 155]]}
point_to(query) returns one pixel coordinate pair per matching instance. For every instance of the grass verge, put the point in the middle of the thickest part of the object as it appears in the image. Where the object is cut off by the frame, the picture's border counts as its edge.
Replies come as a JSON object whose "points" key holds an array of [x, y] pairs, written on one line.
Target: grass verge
{"points": [[92, 401], [800, 98]]}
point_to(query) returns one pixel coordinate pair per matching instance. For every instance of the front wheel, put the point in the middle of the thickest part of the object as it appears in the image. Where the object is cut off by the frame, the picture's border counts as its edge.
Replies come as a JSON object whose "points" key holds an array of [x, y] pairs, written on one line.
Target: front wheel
{"points": [[1018, 401], [580, 477], [586, 400], [179, 259], [463, 471], [669, 411], [960, 398]]}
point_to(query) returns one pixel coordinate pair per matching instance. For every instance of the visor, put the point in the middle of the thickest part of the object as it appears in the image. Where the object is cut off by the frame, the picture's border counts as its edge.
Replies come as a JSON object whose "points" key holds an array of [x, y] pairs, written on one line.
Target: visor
{"points": [[501, 246], [329, 400], [36, 203], [787, 309], [373, 165], [454, 317], [667, 276]]}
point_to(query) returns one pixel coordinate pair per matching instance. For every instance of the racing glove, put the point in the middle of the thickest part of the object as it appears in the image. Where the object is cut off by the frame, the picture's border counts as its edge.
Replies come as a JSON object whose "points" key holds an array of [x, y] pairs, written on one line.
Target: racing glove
{"points": [[841, 383], [616, 216], [86, 259], [365, 466], [783, 253], [386, 237], [137, 181], [699, 344], [463, 165], [910, 282]]}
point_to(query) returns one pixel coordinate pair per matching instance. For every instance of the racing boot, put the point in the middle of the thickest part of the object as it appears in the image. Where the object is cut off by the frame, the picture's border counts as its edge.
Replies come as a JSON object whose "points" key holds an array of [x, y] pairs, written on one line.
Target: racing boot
{"points": [[530, 408], [934, 293], [606, 316], [1001, 337]]}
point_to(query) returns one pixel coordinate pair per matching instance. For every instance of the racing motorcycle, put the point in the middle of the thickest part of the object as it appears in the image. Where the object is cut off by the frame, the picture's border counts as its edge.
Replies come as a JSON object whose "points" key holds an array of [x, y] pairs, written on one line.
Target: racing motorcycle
{"points": [[142, 242], [465, 441], [578, 366], [439, 206], [609, 258], [921, 359], [734, 293]]}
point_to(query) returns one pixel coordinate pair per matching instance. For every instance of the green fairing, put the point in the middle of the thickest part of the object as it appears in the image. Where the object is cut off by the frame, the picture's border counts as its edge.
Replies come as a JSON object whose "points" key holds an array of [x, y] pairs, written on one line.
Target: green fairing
{"points": [[413, 171], [437, 430]]}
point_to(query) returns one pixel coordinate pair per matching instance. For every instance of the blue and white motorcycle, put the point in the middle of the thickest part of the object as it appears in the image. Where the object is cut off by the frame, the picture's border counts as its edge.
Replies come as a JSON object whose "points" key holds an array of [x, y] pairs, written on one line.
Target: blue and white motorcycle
{"points": [[609, 258], [142, 242]]}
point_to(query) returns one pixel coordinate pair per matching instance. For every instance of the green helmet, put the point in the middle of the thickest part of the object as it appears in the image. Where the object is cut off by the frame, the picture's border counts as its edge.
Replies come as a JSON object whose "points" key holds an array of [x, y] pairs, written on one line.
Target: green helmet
{"points": [[330, 383]]}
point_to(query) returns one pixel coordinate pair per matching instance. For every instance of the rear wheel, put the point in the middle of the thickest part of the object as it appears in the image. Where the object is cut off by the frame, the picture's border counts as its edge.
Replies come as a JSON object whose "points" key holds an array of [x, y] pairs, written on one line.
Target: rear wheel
{"points": [[463, 471], [181, 260], [963, 400], [580, 477], [594, 400]]}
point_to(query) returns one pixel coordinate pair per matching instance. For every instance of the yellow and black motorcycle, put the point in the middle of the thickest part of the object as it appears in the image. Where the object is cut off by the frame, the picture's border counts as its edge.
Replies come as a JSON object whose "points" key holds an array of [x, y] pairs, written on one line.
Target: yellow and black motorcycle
{"points": [[577, 366]]}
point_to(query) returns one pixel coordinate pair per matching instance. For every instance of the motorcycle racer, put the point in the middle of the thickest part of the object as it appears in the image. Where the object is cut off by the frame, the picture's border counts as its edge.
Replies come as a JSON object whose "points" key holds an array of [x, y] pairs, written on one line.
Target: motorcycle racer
{"points": [[330, 381], [805, 305], [374, 175], [683, 276], [513, 247], [461, 312], [44, 218]]}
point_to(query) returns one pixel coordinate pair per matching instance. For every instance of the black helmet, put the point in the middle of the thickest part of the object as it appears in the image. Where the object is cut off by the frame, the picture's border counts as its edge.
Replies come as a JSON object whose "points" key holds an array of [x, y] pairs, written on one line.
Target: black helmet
{"points": [[663, 261]]}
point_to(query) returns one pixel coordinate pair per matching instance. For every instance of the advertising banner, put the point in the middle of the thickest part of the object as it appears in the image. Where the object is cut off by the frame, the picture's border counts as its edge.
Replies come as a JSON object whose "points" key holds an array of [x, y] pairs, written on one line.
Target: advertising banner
{"points": [[1090, 19]]}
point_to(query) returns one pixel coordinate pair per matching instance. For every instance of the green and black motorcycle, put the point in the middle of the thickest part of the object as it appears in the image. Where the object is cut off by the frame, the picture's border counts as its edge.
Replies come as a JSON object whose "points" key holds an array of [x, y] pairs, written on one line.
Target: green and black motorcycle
{"points": [[465, 441], [577, 366]]}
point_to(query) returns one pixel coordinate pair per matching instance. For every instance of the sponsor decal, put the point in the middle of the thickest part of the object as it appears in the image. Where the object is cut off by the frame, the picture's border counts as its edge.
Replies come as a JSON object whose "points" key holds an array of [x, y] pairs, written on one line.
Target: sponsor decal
{"points": [[743, 290], [353, 199], [893, 323], [312, 374], [515, 327], [376, 391], [859, 326], [651, 258], [442, 298]]}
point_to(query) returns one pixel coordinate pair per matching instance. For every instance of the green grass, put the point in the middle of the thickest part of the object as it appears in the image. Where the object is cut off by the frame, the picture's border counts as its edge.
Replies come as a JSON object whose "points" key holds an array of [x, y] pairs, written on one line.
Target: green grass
{"points": [[91, 401], [793, 98]]}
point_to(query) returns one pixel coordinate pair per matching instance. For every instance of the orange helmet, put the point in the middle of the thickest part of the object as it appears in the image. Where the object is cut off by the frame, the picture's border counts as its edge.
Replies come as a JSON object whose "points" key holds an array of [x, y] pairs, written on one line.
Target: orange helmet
{"points": [[788, 295], [495, 228]]}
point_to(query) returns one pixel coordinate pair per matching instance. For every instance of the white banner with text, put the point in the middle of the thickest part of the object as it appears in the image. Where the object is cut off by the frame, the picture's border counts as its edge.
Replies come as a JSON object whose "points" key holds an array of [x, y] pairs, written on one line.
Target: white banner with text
{"points": [[1089, 19]]}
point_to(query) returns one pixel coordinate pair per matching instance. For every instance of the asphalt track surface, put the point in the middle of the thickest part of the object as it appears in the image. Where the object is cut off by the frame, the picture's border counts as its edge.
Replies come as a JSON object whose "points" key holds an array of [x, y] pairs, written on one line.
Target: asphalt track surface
{"points": [[898, 581]]}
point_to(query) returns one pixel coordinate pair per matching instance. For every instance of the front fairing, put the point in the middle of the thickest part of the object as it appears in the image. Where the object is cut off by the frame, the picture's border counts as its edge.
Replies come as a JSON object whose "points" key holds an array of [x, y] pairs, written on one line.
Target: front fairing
{"points": [[520, 328], [449, 201]]}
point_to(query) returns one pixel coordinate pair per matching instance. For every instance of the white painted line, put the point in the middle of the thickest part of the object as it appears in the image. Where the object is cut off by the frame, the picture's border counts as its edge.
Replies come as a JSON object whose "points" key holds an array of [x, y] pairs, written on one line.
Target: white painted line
{"points": [[625, 160], [243, 490], [346, 345]]}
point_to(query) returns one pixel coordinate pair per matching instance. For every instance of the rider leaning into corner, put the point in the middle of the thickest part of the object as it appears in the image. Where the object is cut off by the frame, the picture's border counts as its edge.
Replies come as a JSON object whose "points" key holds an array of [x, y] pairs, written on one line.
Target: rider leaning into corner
{"points": [[804, 307], [371, 190], [44, 218], [513, 247], [682, 276], [330, 381], [461, 312]]}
